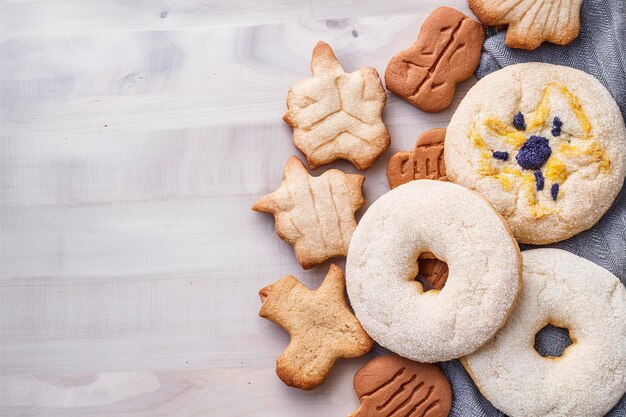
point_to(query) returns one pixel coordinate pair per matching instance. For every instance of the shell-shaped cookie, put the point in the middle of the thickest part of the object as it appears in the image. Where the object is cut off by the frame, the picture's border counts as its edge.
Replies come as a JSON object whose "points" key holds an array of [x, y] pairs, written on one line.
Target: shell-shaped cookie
{"points": [[531, 22]]}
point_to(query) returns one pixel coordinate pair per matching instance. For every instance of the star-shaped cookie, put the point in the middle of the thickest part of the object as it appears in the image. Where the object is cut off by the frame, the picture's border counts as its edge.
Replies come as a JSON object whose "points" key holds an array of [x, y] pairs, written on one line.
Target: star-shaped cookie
{"points": [[337, 115], [314, 214], [321, 327]]}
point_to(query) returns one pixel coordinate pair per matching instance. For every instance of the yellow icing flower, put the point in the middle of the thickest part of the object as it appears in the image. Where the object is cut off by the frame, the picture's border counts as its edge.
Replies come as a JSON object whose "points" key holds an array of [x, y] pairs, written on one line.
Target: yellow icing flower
{"points": [[540, 148]]}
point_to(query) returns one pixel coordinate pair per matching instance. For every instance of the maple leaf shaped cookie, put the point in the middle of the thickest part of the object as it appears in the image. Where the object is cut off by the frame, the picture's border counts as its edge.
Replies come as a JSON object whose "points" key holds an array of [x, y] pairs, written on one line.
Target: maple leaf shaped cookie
{"points": [[337, 115], [321, 327], [314, 214], [531, 22]]}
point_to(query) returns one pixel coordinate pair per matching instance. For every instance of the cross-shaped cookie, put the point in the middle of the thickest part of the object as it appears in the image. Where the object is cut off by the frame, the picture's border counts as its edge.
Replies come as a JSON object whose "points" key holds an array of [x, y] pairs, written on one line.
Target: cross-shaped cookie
{"points": [[321, 326]]}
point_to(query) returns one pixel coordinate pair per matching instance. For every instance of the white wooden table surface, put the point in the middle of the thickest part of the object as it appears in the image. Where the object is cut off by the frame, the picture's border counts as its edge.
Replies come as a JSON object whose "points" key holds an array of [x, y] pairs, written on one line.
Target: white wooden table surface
{"points": [[135, 137]]}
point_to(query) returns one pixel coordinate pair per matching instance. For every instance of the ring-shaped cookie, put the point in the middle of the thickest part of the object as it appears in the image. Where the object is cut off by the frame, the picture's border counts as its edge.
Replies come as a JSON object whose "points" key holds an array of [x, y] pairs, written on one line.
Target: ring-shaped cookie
{"points": [[565, 290], [459, 227]]}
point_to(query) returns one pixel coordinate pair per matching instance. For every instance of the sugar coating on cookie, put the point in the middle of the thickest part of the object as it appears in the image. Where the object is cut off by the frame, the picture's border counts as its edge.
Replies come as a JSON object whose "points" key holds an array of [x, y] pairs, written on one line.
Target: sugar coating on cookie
{"points": [[459, 227], [565, 290], [544, 143]]}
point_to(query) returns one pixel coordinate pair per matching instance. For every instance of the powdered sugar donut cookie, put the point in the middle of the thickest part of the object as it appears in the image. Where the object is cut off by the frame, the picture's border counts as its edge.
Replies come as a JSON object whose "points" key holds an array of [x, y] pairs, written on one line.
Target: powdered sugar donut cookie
{"points": [[544, 143], [590, 377], [459, 227]]}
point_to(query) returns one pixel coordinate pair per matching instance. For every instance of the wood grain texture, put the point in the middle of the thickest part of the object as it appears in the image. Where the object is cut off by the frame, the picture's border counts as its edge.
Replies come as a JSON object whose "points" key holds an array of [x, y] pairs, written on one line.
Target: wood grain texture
{"points": [[135, 138]]}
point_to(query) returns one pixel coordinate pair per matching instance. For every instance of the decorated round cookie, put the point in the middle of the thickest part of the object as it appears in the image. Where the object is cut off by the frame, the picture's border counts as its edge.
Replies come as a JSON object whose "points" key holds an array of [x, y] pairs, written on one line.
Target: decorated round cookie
{"points": [[589, 378], [459, 227], [544, 143]]}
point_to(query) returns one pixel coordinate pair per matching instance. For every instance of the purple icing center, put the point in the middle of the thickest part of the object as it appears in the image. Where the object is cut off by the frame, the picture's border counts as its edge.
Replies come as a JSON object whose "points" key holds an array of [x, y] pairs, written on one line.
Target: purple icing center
{"points": [[533, 153]]}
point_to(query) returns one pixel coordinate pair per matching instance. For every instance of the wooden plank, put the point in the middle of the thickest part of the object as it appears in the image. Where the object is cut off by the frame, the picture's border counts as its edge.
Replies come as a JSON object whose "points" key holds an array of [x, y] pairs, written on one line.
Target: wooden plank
{"points": [[63, 17], [207, 392], [122, 166]]}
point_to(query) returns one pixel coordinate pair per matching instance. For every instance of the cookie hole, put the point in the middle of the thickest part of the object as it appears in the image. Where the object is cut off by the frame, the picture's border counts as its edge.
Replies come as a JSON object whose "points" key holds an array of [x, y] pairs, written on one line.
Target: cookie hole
{"points": [[433, 272], [551, 341]]}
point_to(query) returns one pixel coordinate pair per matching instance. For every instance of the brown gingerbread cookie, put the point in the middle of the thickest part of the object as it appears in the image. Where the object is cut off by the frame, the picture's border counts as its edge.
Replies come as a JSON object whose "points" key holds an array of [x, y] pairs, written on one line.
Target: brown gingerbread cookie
{"points": [[321, 326], [425, 161], [394, 386], [446, 52], [314, 214], [434, 271], [531, 22]]}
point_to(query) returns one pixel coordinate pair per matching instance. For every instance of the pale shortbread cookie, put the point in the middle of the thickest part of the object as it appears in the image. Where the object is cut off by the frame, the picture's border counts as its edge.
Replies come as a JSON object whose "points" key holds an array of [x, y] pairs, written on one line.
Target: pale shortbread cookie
{"points": [[459, 227], [531, 21], [314, 214], [544, 143], [590, 377], [337, 115]]}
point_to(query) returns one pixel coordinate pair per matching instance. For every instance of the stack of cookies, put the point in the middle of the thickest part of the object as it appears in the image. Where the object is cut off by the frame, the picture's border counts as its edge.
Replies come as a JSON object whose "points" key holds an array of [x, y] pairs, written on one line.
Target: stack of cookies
{"points": [[535, 153]]}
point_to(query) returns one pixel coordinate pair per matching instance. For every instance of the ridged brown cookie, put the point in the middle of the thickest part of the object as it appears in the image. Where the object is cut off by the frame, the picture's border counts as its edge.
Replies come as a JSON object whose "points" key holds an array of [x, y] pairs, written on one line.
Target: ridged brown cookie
{"points": [[320, 324], [337, 115], [434, 271], [394, 386], [531, 22], [314, 214], [446, 52], [424, 162]]}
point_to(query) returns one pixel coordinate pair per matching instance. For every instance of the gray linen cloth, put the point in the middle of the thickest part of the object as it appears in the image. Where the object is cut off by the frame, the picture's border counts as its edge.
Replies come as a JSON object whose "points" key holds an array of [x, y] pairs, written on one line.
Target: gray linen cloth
{"points": [[599, 50]]}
